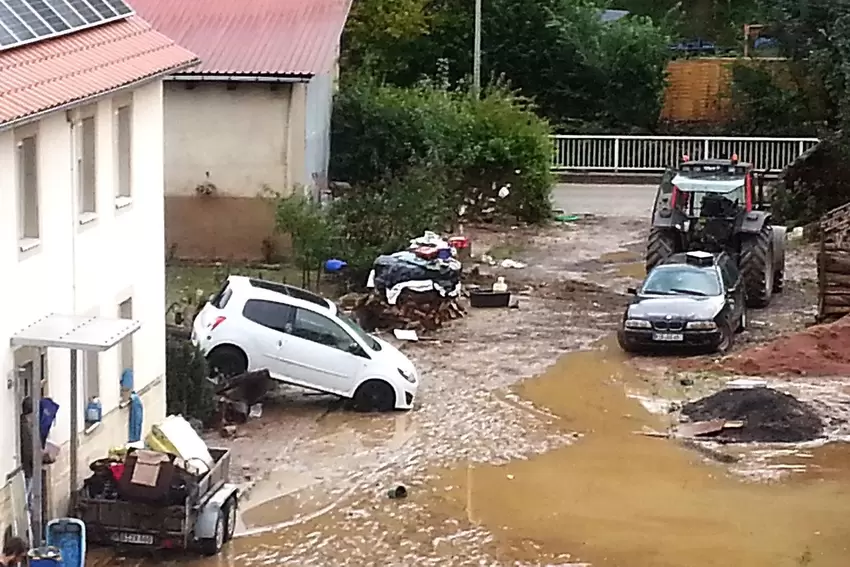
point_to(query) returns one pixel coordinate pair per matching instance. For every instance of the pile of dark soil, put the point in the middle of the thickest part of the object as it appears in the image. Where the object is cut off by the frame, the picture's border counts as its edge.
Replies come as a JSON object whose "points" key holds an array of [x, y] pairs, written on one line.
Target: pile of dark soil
{"points": [[769, 416]]}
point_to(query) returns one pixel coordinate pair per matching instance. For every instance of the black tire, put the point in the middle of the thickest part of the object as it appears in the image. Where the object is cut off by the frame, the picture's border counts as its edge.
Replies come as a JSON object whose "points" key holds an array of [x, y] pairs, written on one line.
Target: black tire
{"points": [[661, 244], [779, 281], [229, 511], [213, 545], [727, 339], [757, 267], [625, 344], [374, 395], [227, 361]]}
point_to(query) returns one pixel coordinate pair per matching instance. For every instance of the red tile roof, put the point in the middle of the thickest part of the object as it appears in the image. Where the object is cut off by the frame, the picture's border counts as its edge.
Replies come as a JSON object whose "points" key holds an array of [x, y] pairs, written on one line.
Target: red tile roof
{"points": [[54, 72], [253, 37]]}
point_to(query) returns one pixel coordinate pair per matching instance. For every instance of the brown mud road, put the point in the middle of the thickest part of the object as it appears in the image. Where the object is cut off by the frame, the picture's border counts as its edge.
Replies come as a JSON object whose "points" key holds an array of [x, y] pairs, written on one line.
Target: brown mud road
{"points": [[522, 448]]}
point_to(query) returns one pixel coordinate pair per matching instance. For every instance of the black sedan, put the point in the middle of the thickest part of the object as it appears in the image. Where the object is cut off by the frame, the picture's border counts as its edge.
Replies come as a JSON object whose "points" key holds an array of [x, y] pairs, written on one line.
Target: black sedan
{"points": [[694, 299]]}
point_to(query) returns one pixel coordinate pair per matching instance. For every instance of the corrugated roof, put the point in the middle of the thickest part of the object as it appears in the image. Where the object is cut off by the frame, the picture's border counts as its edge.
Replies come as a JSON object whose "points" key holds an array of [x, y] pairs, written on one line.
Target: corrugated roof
{"points": [[253, 37], [54, 72]]}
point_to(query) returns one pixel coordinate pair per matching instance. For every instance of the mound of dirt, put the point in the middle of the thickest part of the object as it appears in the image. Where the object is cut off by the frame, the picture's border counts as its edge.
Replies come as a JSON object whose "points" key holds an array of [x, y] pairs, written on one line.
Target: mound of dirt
{"points": [[768, 416], [821, 350]]}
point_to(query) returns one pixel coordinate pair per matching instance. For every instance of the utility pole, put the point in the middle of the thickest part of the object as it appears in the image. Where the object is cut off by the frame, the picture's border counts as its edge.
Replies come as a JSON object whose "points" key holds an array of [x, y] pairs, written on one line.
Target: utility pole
{"points": [[476, 53]]}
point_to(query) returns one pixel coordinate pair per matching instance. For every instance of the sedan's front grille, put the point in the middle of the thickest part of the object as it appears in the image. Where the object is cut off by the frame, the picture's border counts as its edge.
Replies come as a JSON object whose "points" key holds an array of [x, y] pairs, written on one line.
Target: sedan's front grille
{"points": [[668, 325]]}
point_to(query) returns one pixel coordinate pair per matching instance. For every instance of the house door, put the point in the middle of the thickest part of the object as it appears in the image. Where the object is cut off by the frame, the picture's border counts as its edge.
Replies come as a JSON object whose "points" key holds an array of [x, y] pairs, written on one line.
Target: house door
{"points": [[25, 368]]}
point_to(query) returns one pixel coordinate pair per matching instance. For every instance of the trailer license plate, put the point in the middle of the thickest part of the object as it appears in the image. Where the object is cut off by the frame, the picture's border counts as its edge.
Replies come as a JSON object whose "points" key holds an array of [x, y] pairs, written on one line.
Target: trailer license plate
{"points": [[136, 539], [668, 337]]}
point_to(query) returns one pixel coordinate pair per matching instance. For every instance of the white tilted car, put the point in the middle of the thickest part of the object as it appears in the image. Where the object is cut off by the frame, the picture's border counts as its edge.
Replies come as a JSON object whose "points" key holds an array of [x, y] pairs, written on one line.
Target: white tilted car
{"points": [[304, 340]]}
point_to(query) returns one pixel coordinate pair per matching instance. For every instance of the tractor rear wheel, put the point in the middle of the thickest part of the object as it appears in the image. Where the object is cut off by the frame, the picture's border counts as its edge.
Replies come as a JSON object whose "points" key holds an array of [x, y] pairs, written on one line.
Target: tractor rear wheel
{"points": [[757, 267], [662, 243]]}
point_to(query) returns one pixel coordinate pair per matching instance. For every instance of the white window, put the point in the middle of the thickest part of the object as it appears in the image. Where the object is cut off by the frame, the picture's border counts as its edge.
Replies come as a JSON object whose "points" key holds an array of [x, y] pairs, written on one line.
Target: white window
{"points": [[125, 311], [124, 151], [28, 218], [87, 168]]}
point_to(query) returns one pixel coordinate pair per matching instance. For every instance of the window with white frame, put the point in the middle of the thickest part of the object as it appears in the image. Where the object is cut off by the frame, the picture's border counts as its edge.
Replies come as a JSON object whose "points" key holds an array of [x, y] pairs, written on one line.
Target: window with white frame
{"points": [[27, 165], [124, 149], [125, 311], [87, 166]]}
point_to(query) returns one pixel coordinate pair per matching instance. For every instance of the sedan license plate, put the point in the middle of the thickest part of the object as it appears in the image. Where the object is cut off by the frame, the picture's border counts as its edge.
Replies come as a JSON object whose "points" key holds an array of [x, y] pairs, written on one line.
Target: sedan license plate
{"points": [[136, 539], [668, 337]]}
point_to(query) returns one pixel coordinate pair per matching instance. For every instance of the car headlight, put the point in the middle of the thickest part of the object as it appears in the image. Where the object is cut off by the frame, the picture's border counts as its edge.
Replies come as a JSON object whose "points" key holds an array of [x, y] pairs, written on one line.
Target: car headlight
{"points": [[702, 325], [638, 324], [407, 376]]}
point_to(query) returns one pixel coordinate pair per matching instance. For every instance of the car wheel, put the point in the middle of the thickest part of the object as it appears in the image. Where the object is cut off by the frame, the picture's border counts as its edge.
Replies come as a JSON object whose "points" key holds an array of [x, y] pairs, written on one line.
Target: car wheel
{"points": [[727, 338], [230, 512], [374, 395], [625, 344], [213, 545], [742, 322], [227, 361]]}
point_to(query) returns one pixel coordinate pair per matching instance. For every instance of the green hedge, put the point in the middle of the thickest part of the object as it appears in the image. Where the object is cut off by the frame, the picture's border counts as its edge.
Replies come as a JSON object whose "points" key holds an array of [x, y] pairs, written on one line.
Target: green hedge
{"points": [[381, 133]]}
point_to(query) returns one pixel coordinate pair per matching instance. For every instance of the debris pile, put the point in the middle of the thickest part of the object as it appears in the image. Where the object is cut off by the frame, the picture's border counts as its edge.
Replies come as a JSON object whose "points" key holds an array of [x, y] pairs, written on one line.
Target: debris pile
{"points": [[821, 350], [415, 311], [414, 289], [765, 415]]}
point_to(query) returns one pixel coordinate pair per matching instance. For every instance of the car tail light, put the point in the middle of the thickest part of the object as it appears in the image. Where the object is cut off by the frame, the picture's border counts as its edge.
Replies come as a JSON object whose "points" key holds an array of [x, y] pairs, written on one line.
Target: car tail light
{"points": [[218, 321]]}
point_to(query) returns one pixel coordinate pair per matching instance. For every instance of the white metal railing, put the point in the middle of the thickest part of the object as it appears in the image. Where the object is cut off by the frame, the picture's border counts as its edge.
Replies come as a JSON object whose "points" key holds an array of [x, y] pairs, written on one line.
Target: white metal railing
{"points": [[652, 154]]}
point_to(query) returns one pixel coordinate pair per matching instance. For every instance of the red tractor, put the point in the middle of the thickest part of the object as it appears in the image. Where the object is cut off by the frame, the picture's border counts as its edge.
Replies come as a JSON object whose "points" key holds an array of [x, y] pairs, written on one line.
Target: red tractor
{"points": [[717, 205]]}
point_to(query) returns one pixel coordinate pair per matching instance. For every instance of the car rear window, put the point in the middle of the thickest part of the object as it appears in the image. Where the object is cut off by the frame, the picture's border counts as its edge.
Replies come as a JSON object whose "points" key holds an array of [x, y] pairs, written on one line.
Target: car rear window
{"points": [[223, 295]]}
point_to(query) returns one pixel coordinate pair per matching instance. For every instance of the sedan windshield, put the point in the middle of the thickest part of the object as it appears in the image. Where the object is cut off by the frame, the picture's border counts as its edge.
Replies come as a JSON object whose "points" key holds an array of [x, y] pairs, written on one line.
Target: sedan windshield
{"points": [[358, 330], [681, 280]]}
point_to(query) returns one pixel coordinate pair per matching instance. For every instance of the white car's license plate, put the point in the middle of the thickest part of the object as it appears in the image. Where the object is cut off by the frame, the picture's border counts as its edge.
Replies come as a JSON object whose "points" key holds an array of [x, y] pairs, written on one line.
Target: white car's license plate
{"points": [[668, 337], [136, 539]]}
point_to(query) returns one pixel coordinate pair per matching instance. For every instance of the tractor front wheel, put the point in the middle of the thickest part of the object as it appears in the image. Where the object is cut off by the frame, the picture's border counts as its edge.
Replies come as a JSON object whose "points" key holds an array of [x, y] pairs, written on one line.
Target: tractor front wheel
{"points": [[757, 267], [662, 243]]}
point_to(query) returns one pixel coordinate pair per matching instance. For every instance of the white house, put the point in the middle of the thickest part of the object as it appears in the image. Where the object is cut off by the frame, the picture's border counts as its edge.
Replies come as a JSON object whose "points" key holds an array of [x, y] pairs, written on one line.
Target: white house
{"points": [[81, 222], [253, 116]]}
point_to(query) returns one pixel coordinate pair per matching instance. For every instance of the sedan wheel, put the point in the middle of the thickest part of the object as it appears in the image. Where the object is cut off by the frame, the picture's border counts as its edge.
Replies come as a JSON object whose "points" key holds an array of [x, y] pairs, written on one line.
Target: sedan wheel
{"points": [[726, 340]]}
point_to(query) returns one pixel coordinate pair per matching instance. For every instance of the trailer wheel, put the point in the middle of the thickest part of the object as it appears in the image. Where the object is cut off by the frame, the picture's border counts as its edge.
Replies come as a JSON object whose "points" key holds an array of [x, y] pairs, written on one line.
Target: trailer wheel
{"points": [[213, 545], [230, 511], [757, 267]]}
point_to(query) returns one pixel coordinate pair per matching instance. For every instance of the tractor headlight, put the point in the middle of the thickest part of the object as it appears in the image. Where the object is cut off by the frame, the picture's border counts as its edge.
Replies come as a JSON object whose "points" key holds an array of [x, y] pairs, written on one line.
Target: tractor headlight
{"points": [[702, 325], [638, 324]]}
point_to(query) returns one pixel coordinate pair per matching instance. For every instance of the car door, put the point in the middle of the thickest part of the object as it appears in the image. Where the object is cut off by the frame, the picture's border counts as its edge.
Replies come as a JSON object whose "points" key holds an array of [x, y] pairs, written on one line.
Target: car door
{"points": [[323, 355], [265, 341]]}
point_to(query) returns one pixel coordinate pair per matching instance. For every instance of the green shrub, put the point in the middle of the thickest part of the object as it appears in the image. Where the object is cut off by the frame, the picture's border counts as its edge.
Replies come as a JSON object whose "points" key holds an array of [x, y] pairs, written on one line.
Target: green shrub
{"points": [[313, 235], [381, 132], [188, 390]]}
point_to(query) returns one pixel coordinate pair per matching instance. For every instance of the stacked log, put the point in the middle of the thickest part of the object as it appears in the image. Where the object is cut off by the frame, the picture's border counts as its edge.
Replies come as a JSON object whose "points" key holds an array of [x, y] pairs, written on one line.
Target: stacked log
{"points": [[418, 311], [834, 265]]}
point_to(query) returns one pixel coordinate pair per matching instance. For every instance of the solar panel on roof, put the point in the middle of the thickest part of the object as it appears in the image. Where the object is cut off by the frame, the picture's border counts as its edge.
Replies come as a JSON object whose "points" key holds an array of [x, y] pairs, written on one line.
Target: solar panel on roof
{"points": [[25, 21]]}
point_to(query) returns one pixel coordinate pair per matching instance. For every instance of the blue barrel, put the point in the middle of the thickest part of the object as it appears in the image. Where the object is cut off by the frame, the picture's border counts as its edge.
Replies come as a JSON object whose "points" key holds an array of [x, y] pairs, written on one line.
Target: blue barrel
{"points": [[47, 556]]}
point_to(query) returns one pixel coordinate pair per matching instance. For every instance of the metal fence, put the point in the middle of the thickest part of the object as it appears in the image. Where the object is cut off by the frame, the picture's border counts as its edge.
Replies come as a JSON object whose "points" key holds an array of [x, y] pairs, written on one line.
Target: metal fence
{"points": [[651, 154]]}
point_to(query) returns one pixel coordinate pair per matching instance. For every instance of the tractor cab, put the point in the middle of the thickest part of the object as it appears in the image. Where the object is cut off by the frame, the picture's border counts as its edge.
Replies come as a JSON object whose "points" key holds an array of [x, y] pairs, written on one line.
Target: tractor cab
{"points": [[711, 188]]}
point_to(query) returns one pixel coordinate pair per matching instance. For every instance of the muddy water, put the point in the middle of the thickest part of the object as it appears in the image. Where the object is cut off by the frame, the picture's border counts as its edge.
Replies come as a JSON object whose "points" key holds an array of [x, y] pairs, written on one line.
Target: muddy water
{"points": [[620, 499]]}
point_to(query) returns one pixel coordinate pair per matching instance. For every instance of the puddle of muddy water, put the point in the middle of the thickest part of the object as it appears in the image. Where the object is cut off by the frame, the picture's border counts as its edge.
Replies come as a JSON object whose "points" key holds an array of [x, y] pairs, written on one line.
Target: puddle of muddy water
{"points": [[620, 499]]}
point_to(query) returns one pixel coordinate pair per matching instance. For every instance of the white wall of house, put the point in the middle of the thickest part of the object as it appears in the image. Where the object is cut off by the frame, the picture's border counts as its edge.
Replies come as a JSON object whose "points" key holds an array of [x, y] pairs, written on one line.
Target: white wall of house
{"points": [[320, 92], [237, 132], [85, 263]]}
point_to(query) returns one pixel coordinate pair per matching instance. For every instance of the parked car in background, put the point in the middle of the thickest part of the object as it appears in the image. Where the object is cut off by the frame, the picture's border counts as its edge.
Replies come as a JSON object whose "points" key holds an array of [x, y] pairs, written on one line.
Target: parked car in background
{"points": [[693, 299], [302, 339]]}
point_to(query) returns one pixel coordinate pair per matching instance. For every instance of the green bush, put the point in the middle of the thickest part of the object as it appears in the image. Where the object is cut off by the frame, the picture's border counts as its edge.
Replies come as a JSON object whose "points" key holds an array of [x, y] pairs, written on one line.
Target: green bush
{"points": [[313, 234], [188, 390], [381, 132]]}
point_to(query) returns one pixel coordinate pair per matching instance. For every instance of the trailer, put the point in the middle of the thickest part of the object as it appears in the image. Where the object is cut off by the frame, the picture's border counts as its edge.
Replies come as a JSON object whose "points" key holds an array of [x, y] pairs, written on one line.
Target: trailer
{"points": [[205, 522]]}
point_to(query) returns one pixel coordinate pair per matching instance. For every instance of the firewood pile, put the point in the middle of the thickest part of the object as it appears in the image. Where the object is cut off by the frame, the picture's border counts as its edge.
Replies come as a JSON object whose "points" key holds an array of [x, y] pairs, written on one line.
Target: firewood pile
{"points": [[418, 311], [834, 265]]}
